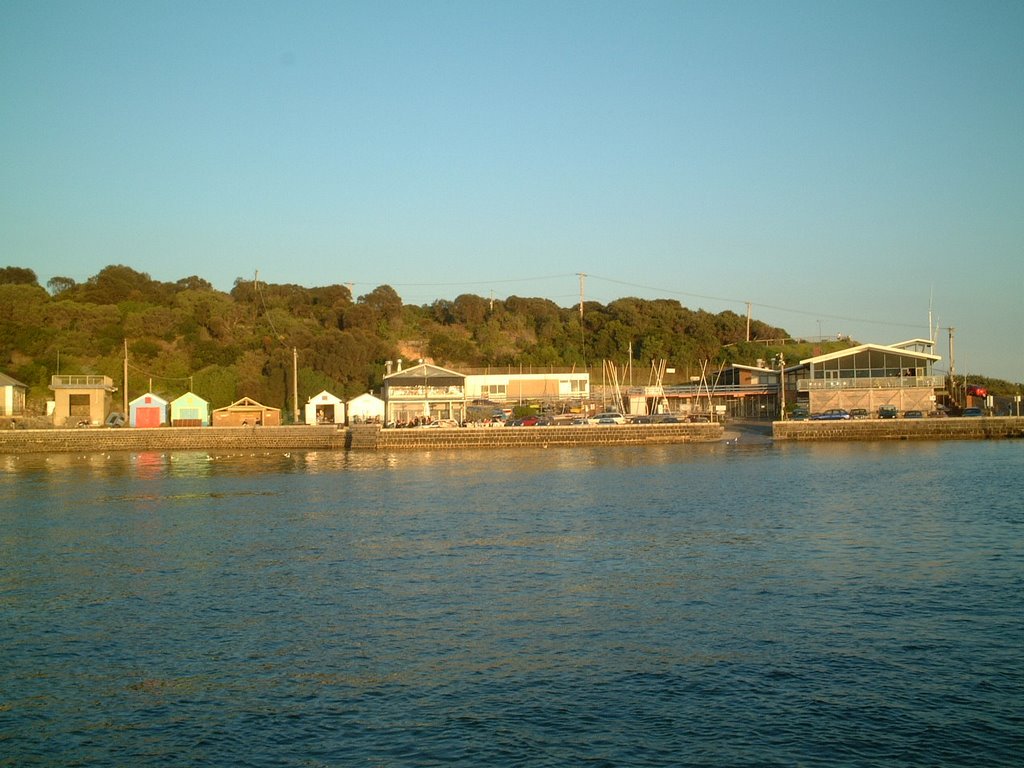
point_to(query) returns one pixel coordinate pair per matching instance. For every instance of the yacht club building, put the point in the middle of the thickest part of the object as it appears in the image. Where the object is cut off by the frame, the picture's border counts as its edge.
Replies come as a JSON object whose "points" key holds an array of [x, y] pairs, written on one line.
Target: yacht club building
{"points": [[869, 376]]}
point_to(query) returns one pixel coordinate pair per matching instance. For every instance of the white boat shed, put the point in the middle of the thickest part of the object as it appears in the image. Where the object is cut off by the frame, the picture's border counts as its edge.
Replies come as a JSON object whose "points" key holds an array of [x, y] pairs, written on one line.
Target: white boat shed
{"points": [[325, 408], [365, 409]]}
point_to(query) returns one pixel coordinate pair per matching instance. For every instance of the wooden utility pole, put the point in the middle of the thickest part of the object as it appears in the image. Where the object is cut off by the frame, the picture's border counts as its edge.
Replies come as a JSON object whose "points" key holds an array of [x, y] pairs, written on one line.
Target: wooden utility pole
{"points": [[295, 386], [124, 383]]}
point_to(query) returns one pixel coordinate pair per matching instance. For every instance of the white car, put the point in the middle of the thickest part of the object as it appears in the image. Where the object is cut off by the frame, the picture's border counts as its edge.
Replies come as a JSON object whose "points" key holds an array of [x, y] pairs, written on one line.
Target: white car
{"points": [[608, 417], [443, 424]]}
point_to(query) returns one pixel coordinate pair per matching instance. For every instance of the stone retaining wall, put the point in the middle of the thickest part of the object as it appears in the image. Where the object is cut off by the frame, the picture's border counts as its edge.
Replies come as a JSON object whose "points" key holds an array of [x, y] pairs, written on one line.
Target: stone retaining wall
{"points": [[986, 428], [362, 437], [172, 439], [521, 437]]}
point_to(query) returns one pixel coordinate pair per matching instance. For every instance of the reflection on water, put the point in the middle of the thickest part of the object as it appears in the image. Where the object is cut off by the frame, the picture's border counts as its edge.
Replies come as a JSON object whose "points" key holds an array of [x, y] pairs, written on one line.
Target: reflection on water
{"points": [[664, 605]]}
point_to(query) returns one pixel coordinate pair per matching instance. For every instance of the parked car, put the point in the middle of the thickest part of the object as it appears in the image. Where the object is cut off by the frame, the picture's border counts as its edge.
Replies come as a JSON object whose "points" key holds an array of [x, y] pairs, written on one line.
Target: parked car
{"points": [[858, 413], [972, 412], [608, 417], [913, 415], [442, 424], [832, 414], [800, 414], [888, 412], [698, 418]]}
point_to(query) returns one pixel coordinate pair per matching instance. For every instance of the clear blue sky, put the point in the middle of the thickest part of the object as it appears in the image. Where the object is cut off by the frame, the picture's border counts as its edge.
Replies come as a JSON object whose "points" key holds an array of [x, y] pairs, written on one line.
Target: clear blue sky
{"points": [[834, 163]]}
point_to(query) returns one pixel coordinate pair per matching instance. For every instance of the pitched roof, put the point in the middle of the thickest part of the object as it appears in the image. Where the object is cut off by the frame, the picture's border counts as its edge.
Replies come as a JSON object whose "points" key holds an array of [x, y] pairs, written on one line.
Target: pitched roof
{"points": [[424, 371], [191, 395], [247, 403], [7, 381], [324, 397], [366, 397], [867, 347], [156, 399]]}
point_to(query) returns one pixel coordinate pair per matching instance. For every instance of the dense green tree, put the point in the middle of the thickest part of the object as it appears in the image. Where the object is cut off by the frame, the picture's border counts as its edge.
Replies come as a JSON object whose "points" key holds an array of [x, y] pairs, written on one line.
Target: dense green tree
{"points": [[240, 343], [17, 276], [469, 310], [58, 284]]}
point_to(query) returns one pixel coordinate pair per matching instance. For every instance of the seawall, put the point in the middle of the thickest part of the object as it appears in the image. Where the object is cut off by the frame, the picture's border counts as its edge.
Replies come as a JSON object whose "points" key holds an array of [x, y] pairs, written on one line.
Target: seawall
{"points": [[523, 437], [985, 428], [370, 438]]}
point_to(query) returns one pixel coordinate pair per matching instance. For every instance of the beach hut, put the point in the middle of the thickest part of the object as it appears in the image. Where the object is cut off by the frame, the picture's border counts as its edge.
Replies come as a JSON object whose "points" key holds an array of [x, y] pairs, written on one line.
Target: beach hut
{"points": [[147, 410], [365, 409], [190, 410], [12, 396], [325, 408], [247, 413]]}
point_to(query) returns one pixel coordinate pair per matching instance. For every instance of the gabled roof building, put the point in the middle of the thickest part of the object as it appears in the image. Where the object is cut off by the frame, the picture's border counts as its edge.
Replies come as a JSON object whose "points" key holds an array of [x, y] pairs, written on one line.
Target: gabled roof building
{"points": [[424, 393], [247, 413], [869, 376], [325, 408], [12, 396], [190, 410], [147, 410]]}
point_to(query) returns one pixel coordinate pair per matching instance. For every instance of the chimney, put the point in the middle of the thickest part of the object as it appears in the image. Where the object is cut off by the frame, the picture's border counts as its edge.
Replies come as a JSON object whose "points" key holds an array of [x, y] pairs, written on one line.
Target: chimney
{"points": [[399, 365], [387, 367]]}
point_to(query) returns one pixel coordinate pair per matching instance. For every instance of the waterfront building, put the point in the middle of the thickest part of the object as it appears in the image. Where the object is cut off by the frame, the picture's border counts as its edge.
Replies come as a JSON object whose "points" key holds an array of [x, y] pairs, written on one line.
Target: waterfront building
{"points": [[190, 410], [424, 393], [81, 399], [246, 413], [520, 387], [365, 409], [147, 410], [868, 376], [736, 391], [12, 396], [325, 408]]}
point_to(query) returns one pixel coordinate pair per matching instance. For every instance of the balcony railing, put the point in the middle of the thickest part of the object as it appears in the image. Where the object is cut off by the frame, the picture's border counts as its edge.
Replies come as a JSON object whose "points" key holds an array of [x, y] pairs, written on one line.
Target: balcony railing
{"points": [[877, 382], [79, 381], [425, 393], [682, 390]]}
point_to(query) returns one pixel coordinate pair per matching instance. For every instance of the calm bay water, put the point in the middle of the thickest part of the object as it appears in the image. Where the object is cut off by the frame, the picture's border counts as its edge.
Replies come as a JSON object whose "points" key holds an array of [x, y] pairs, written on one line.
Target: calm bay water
{"points": [[852, 604]]}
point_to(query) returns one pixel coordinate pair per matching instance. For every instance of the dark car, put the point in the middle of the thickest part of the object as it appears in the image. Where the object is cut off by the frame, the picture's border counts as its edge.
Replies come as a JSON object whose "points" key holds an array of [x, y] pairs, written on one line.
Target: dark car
{"points": [[858, 413], [888, 412], [972, 412], [832, 414], [913, 415], [800, 414]]}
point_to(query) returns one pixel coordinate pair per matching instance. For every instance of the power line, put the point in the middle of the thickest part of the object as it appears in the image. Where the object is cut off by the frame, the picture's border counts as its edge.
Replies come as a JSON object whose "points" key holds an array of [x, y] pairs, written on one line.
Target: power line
{"points": [[150, 375], [658, 290], [755, 303]]}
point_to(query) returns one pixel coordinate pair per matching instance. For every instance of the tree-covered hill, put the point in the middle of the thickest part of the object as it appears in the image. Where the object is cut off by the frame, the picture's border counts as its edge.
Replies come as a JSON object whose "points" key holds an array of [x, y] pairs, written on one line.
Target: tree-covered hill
{"points": [[187, 335]]}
